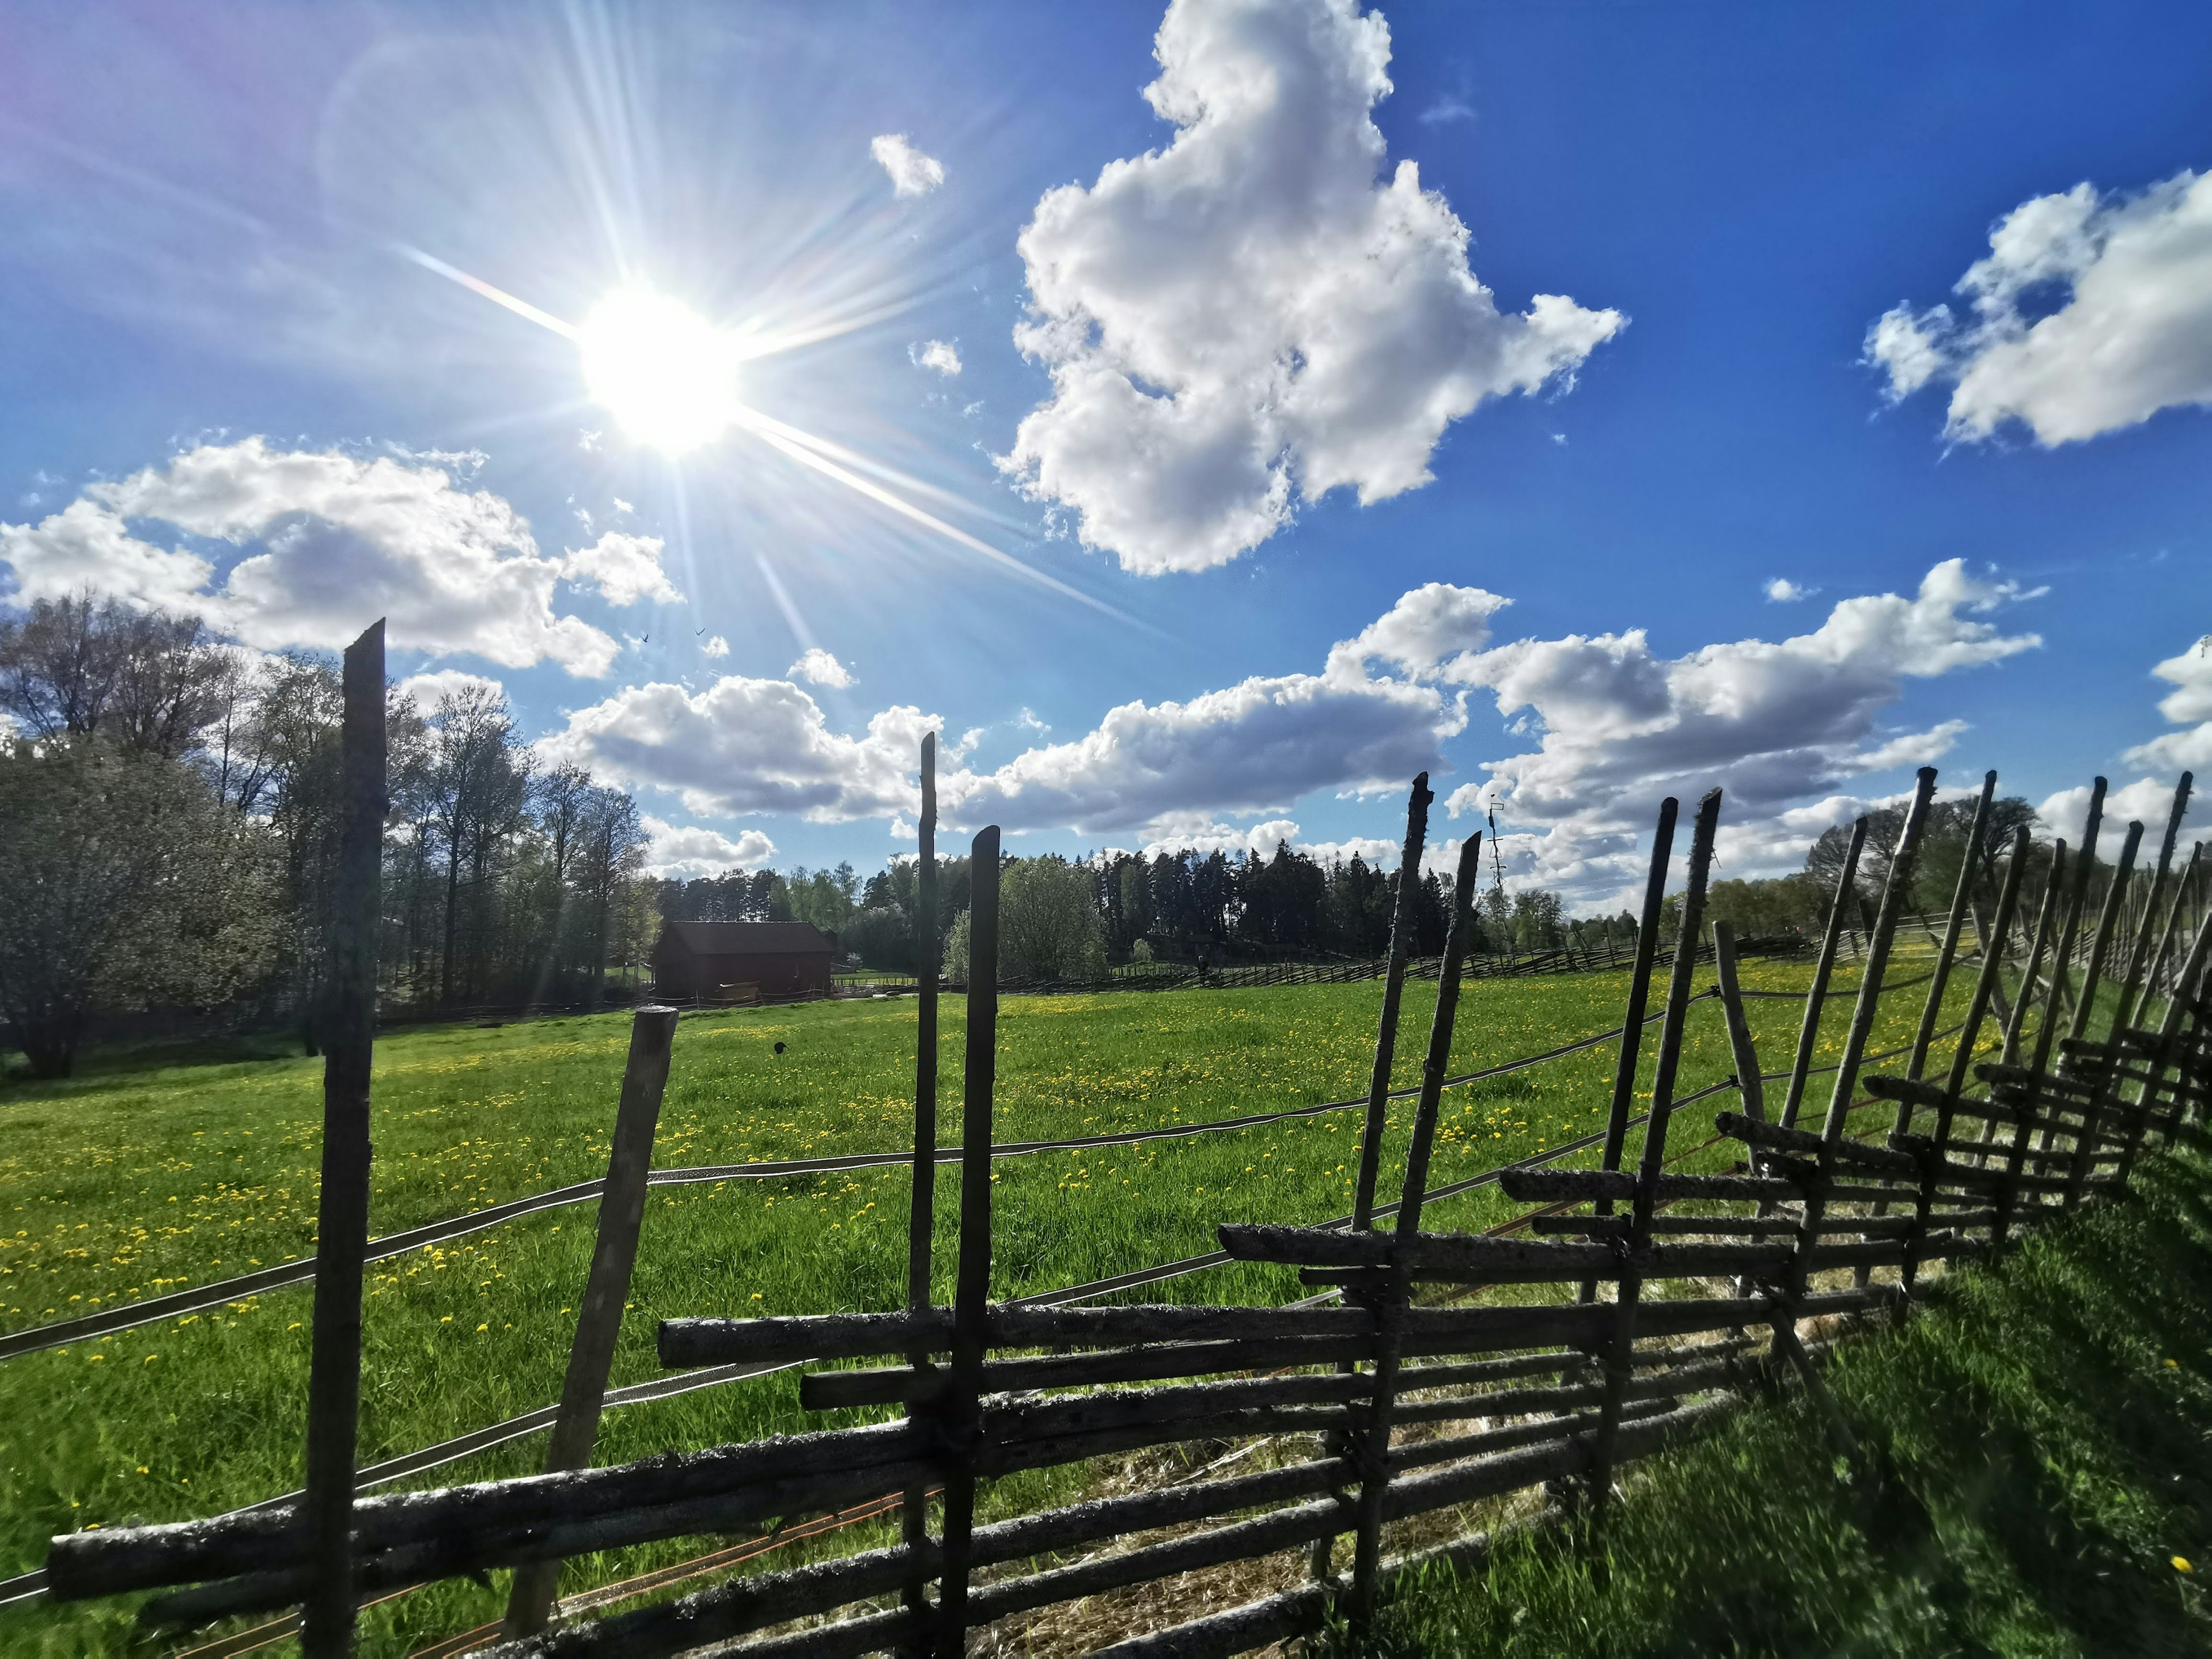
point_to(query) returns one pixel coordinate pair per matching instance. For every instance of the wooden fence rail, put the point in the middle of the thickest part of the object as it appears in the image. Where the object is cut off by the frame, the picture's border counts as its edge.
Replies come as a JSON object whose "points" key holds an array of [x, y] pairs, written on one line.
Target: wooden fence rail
{"points": [[1433, 1370]]}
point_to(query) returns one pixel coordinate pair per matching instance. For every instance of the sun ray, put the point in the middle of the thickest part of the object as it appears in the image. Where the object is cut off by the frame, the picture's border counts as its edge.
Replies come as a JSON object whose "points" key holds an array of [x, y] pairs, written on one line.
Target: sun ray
{"points": [[820, 455]]}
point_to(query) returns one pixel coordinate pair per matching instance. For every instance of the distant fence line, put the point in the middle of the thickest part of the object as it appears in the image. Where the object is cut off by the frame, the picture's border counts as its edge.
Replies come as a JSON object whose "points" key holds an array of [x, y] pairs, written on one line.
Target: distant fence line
{"points": [[1418, 1405]]}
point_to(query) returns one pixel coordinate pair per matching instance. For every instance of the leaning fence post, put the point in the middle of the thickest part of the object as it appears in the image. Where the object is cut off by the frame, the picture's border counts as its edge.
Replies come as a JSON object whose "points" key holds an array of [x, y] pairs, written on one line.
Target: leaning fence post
{"points": [[1747, 1083], [922, 1214], [1808, 1035], [599, 1322], [1639, 997], [326, 1617], [972, 1286], [2144, 1102], [2084, 1144], [1378, 1085], [1620, 1348], [2007, 1191], [1969, 869], [2138, 958], [2077, 899], [1394, 986], [1954, 1082], [1374, 1439]]}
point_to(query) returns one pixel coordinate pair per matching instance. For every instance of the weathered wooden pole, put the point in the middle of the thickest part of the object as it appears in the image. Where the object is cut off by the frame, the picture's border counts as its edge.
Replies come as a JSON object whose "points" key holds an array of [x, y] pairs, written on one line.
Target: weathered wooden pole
{"points": [[1884, 934], [1954, 1082], [1623, 1106], [2138, 959], [2046, 915], [972, 1286], [1394, 986], [2085, 1144], [921, 1215], [2070, 931], [1374, 1440], [1619, 1361], [1741, 1048], [326, 1618], [1808, 1035], [1379, 1084], [599, 1323], [1961, 898]]}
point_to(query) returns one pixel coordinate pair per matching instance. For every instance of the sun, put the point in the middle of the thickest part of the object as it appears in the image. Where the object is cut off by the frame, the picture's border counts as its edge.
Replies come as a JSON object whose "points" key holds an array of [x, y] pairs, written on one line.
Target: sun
{"points": [[665, 373]]}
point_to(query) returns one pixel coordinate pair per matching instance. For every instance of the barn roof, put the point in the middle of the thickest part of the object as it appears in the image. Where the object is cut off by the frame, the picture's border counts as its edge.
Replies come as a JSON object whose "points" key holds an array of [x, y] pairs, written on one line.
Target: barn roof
{"points": [[748, 938]]}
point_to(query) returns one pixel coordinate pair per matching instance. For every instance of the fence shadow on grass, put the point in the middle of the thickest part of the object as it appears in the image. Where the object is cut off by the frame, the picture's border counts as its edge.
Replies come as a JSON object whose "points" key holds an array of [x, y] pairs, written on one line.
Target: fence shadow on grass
{"points": [[2032, 1462]]}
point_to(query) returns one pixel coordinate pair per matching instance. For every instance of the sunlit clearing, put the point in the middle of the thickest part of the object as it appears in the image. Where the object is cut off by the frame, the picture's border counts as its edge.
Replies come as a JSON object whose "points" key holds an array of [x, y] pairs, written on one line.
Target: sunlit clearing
{"points": [[667, 375]]}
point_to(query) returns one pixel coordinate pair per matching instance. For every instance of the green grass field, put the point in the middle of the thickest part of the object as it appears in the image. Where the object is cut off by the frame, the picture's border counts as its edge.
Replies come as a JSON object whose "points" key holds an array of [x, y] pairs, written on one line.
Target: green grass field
{"points": [[2036, 1480], [141, 1177]]}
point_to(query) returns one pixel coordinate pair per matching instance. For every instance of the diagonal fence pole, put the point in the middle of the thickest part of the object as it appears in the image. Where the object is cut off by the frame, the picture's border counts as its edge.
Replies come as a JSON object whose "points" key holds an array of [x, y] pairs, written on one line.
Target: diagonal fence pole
{"points": [[1374, 1440], [972, 1288], [1621, 1344], [614, 1255], [2084, 1144], [2139, 958], [1741, 1051], [922, 1214], [326, 1617], [1816, 997], [1378, 1085], [1623, 1104], [2054, 883]]}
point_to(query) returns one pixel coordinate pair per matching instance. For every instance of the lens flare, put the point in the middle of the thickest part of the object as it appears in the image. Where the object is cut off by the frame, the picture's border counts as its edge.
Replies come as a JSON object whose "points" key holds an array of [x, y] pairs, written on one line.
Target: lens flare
{"points": [[663, 372]]}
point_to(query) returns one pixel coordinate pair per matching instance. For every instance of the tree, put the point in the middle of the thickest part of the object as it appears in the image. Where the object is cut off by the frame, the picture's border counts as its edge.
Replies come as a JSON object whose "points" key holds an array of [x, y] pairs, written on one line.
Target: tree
{"points": [[145, 681], [123, 884], [1049, 927]]}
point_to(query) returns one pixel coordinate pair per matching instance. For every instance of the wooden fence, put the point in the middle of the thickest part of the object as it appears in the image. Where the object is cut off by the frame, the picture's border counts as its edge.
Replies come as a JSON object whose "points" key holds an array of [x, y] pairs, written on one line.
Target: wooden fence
{"points": [[1427, 1372]]}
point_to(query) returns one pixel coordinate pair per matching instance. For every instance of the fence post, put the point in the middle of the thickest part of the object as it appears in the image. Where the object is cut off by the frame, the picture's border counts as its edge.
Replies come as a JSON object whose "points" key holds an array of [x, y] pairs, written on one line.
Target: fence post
{"points": [[2077, 1174], [2016, 1154], [2144, 1104], [1969, 869], [1809, 1036], [972, 1287], [326, 1617], [1374, 1440], [922, 1214], [1378, 1085], [2140, 956], [1954, 1082], [1621, 1349], [1747, 1082], [1639, 997], [598, 1316], [2077, 899]]}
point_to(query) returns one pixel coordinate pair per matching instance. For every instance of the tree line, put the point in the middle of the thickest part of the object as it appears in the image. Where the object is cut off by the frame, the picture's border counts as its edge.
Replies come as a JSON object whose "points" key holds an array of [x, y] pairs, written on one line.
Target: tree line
{"points": [[168, 837]]}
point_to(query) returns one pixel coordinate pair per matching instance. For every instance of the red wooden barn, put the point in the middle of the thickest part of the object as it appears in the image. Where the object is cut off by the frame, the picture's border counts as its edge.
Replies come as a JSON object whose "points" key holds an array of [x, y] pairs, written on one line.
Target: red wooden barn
{"points": [[738, 961]]}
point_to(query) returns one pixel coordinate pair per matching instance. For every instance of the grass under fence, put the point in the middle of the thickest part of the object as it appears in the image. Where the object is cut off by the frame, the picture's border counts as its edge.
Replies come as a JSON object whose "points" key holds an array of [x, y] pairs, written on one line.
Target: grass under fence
{"points": [[2036, 1479], [135, 1179]]}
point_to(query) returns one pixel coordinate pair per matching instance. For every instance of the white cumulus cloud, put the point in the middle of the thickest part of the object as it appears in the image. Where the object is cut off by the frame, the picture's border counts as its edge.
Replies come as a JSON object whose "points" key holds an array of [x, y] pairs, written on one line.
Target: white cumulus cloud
{"points": [[715, 647], [1783, 591], [1265, 310], [624, 568], [428, 689], [912, 173], [330, 543], [1771, 723], [939, 355], [818, 666], [684, 850], [2133, 335]]}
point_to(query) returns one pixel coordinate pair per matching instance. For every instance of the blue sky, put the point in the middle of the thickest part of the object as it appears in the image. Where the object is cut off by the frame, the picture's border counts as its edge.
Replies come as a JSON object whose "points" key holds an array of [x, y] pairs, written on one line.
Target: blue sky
{"points": [[1148, 606]]}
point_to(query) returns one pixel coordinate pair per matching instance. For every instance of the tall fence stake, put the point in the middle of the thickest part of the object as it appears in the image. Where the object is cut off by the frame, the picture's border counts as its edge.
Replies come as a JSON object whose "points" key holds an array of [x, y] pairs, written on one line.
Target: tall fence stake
{"points": [[1620, 1350], [326, 1618], [2138, 959], [599, 1320], [922, 1214], [1374, 1440], [972, 1288], [1623, 1104], [1816, 997], [1741, 1048], [1378, 1085], [2084, 1144]]}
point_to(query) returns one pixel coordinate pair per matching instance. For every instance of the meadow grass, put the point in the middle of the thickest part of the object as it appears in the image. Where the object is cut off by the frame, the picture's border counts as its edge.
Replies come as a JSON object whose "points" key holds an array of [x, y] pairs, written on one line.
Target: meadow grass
{"points": [[141, 1177], [2035, 1480]]}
